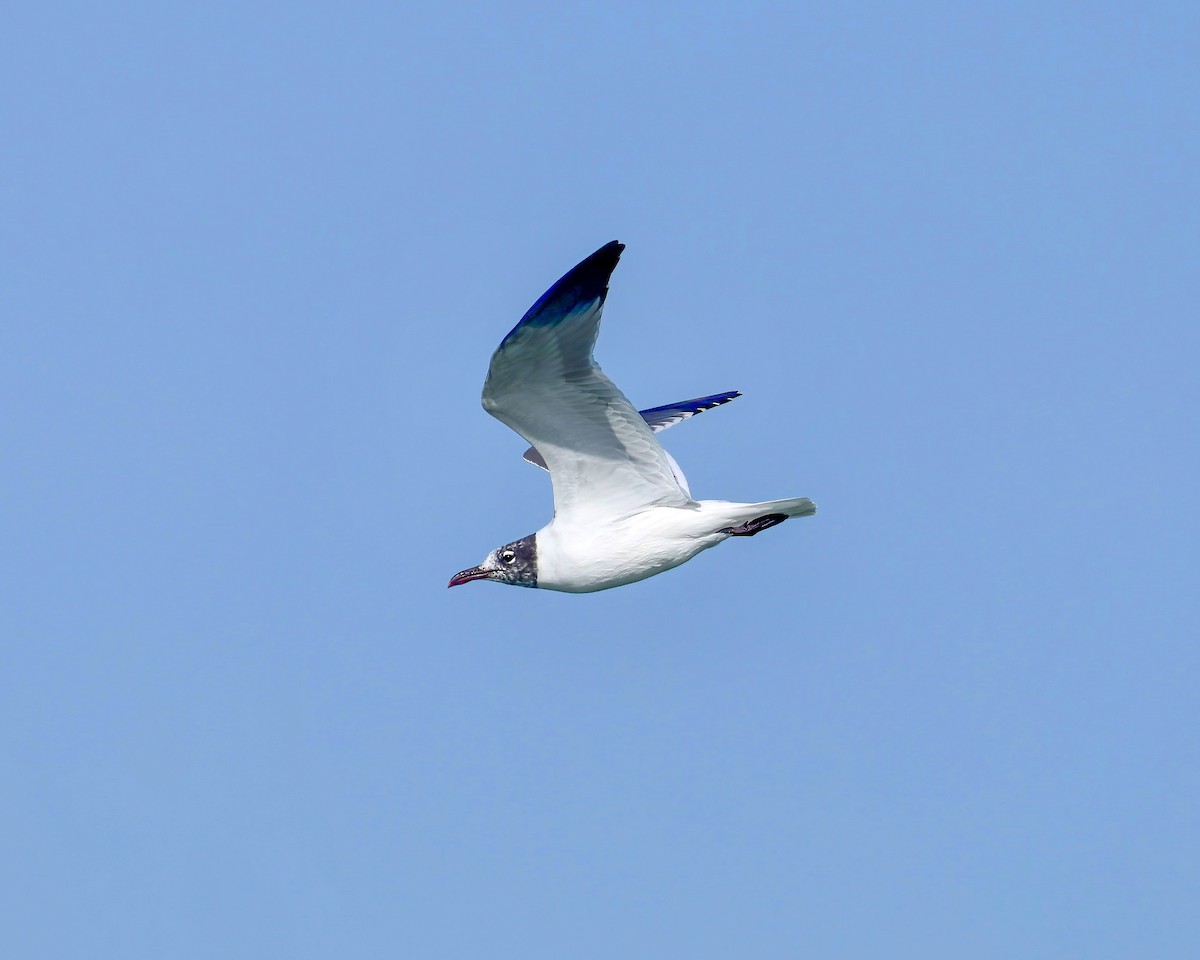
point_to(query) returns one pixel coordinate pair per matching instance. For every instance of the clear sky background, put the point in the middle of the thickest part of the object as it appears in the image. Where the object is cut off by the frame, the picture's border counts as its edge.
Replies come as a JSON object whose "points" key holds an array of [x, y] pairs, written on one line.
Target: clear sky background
{"points": [[253, 261]]}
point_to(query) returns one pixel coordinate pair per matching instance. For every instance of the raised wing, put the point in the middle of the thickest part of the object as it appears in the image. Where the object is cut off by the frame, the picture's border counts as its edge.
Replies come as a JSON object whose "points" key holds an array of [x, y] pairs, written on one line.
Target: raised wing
{"points": [[544, 383], [659, 418]]}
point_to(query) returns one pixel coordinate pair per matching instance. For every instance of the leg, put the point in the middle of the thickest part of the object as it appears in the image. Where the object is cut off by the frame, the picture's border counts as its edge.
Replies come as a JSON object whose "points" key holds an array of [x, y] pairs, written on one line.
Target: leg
{"points": [[751, 527]]}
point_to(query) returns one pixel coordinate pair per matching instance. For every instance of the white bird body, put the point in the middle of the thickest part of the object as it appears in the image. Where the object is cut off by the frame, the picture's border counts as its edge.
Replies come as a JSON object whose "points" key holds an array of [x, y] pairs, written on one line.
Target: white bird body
{"points": [[622, 507], [578, 558]]}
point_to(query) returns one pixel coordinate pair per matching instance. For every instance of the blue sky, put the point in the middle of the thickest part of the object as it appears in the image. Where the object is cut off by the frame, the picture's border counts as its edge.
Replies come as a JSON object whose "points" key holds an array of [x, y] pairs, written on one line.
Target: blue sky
{"points": [[255, 259]]}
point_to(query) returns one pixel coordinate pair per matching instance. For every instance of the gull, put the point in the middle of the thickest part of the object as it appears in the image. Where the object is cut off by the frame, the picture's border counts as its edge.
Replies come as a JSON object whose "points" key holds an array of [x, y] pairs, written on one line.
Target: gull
{"points": [[623, 510]]}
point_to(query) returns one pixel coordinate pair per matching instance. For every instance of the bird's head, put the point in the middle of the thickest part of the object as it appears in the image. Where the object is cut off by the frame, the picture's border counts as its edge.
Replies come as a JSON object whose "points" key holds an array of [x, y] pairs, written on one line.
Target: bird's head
{"points": [[514, 563]]}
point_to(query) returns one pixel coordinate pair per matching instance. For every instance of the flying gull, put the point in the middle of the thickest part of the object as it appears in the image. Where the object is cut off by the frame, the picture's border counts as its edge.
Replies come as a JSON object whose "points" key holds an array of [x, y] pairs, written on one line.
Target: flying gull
{"points": [[622, 507]]}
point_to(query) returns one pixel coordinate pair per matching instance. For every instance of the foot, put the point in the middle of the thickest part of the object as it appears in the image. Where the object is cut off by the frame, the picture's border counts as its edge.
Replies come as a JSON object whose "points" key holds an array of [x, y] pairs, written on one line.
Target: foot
{"points": [[751, 527]]}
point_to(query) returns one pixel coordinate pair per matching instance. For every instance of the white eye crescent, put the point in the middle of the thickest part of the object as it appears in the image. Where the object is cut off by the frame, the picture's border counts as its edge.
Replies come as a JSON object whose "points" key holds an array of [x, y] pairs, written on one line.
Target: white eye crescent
{"points": [[508, 556]]}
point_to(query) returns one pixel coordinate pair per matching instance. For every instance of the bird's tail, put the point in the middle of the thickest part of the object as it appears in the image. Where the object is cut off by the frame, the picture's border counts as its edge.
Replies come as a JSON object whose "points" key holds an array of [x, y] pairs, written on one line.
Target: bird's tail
{"points": [[796, 507], [747, 518]]}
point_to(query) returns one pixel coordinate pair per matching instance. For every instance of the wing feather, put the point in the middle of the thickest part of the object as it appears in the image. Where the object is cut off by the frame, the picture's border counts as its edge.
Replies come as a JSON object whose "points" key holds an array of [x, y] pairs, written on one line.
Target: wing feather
{"points": [[658, 419], [544, 383]]}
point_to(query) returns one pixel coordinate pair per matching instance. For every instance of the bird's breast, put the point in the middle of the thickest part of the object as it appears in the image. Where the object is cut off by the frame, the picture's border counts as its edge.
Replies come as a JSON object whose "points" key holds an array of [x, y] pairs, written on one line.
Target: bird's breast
{"points": [[582, 559]]}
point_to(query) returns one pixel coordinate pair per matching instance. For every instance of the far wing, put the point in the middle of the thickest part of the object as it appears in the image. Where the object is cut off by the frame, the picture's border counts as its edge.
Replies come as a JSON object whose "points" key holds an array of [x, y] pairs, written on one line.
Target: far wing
{"points": [[543, 382], [659, 418]]}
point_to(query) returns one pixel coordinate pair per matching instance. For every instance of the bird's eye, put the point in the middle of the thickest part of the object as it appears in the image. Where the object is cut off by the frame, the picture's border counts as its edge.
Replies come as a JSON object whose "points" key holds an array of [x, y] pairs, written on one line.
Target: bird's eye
{"points": [[508, 556]]}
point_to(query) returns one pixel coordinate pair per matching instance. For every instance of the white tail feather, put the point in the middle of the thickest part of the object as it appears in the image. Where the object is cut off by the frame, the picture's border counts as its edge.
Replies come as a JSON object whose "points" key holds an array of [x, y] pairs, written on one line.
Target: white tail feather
{"points": [[796, 507]]}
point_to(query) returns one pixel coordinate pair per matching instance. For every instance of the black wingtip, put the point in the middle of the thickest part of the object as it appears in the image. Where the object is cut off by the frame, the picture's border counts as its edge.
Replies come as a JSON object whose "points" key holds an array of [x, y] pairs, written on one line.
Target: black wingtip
{"points": [[590, 275], [594, 270], [587, 280], [689, 407]]}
